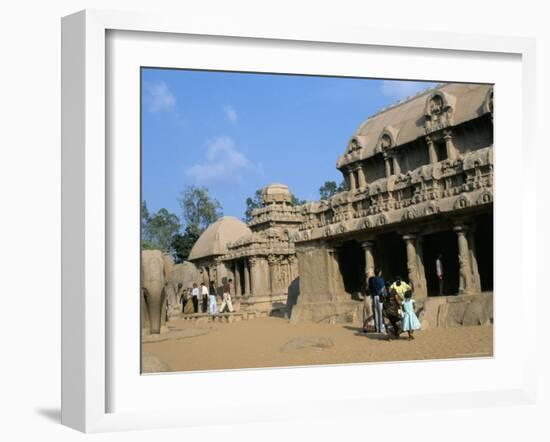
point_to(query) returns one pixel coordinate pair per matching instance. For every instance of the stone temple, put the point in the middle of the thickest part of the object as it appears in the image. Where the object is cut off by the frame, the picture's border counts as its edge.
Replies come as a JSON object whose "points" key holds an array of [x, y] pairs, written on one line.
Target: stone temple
{"points": [[420, 183]]}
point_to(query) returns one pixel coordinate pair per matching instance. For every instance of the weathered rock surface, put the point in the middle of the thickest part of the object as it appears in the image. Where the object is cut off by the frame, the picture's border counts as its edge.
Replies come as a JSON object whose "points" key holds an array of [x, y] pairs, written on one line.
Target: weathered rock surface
{"points": [[308, 342], [152, 364]]}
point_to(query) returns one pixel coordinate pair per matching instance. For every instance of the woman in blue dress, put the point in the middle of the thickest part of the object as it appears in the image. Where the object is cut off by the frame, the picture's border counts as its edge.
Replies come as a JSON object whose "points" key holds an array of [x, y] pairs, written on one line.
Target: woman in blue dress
{"points": [[410, 322]]}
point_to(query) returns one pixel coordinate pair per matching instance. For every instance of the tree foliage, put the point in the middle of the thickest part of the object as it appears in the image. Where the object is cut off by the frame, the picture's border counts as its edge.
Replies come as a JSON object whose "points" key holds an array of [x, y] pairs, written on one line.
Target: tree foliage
{"points": [[158, 229], [182, 244], [198, 207], [330, 188], [252, 203]]}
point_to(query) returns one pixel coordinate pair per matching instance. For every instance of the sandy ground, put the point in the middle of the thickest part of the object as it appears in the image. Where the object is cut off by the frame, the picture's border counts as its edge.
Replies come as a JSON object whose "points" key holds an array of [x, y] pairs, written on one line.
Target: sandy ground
{"points": [[259, 343]]}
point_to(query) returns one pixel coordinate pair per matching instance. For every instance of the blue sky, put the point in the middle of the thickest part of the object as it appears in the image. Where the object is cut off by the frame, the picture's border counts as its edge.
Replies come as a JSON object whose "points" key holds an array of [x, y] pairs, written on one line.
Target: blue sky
{"points": [[237, 132]]}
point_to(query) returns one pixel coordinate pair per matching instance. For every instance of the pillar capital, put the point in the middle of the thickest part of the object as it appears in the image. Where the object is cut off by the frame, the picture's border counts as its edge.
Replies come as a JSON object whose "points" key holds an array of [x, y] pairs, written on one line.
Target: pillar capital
{"points": [[367, 244], [409, 236]]}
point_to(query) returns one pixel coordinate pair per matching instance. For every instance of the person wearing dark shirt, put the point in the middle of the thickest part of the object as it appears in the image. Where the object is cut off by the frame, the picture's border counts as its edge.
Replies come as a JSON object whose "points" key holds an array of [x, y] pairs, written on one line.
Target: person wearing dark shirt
{"points": [[377, 291], [227, 297]]}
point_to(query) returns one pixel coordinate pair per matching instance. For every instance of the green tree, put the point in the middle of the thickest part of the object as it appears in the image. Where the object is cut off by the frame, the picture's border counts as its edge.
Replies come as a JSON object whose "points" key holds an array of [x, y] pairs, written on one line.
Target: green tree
{"points": [[330, 188], [295, 201], [198, 207], [158, 229], [182, 244], [252, 203]]}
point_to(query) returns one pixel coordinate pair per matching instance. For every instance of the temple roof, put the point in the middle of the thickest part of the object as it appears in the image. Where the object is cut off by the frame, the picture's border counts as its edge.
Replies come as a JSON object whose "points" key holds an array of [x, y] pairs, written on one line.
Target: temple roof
{"points": [[405, 121], [215, 238]]}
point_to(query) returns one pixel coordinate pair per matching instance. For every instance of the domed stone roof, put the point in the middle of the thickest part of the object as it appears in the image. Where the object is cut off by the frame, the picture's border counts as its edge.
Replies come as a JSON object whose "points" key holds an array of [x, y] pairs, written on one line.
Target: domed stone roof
{"points": [[215, 238], [276, 193]]}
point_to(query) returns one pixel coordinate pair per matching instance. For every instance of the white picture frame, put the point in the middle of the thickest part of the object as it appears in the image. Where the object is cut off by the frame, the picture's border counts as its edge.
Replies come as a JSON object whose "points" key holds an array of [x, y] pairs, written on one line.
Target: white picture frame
{"points": [[87, 211]]}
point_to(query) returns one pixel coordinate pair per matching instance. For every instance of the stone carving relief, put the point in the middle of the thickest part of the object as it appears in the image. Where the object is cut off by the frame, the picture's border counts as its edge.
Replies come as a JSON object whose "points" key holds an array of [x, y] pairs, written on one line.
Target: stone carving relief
{"points": [[462, 202], [438, 112], [486, 197]]}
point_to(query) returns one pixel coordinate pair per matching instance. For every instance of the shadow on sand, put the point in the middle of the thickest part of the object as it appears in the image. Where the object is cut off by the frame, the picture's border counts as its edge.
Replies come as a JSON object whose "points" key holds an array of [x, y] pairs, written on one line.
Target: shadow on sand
{"points": [[371, 335]]}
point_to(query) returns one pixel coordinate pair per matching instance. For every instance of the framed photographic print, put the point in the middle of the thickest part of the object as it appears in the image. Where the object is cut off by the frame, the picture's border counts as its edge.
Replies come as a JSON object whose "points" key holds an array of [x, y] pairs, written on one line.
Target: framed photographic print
{"points": [[257, 218]]}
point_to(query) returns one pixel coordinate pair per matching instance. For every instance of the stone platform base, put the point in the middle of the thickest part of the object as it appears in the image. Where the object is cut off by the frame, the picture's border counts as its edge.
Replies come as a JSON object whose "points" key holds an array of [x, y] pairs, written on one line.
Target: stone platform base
{"points": [[264, 303], [455, 311], [199, 318], [327, 312]]}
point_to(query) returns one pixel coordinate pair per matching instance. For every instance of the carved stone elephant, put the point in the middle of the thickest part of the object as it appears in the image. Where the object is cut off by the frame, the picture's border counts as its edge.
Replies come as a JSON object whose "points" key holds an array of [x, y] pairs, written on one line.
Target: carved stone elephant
{"points": [[153, 279]]}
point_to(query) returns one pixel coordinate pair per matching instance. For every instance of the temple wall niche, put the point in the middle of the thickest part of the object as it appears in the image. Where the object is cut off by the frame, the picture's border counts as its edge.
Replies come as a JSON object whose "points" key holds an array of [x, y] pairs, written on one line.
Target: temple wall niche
{"points": [[413, 155], [374, 168], [473, 135]]}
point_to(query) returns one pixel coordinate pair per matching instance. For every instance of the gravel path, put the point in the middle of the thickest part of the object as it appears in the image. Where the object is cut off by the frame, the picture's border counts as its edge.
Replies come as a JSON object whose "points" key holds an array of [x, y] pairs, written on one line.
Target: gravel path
{"points": [[259, 343]]}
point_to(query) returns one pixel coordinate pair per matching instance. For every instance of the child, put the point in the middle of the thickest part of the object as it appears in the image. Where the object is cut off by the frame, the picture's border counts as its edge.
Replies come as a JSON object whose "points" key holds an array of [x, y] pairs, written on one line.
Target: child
{"points": [[410, 322]]}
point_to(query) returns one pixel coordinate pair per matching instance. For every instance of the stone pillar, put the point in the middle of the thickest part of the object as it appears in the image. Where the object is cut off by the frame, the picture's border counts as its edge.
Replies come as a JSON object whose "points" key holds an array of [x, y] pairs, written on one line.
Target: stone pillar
{"points": [[292, 261], [246, 278], [465, 270], [352, 183], [449, 145], [362, 178], [387, 160], [252, 261], [431, 150], [272, 261], [412, 263], [369, 258], [423, 285], [396, 167], [473, 259], [237, 272]]}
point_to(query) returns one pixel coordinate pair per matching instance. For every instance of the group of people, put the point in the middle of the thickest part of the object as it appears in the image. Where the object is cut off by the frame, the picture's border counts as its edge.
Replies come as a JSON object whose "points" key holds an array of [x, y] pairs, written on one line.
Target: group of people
{"points": [[393, 307], [204, 298]]}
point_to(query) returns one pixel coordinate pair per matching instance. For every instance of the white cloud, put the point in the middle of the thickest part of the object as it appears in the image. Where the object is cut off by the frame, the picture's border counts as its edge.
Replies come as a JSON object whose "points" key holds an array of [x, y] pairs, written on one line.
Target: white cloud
{"points": [[224, 163], [230, 113], [159, 98], [399, 90]]}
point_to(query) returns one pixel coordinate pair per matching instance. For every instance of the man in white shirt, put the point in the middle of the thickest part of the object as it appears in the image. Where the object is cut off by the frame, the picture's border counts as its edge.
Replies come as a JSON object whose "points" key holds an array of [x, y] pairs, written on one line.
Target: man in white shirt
{"points": [[195, 297], [439, 272], [204, 296]]}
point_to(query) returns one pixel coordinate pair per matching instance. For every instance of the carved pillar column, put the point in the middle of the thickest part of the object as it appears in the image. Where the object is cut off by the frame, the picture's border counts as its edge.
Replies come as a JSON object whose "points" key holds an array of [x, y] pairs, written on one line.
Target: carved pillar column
{"points": [[369, 258], [246, 278], [362, 178], [449, 145], [396, 166], [431, 150], [332, 266], [272, 261], [252, 261], [423, 285], [473, 259], [352, 183], [292, 263], [238, 291], [465, 268], [387, 160], [412, 262]]}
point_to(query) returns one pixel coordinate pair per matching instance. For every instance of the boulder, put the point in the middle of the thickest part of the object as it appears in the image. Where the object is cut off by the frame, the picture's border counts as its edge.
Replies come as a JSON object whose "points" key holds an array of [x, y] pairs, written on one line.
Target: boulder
{"points": [[476, 313]]}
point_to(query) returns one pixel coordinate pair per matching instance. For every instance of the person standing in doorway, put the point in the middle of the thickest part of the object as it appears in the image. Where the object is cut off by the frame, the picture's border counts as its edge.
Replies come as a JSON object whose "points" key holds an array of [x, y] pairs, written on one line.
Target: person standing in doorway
{"points": [[439, 272], [195, 297], [227, 297], [377, 291]]}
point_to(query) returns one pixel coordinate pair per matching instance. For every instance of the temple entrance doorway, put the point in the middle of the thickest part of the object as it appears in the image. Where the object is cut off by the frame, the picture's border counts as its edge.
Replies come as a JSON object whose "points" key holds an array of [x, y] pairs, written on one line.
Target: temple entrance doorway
{"points": [[445, 243], [351, 260], [240, 265], [484, 249], [391, 256]]}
